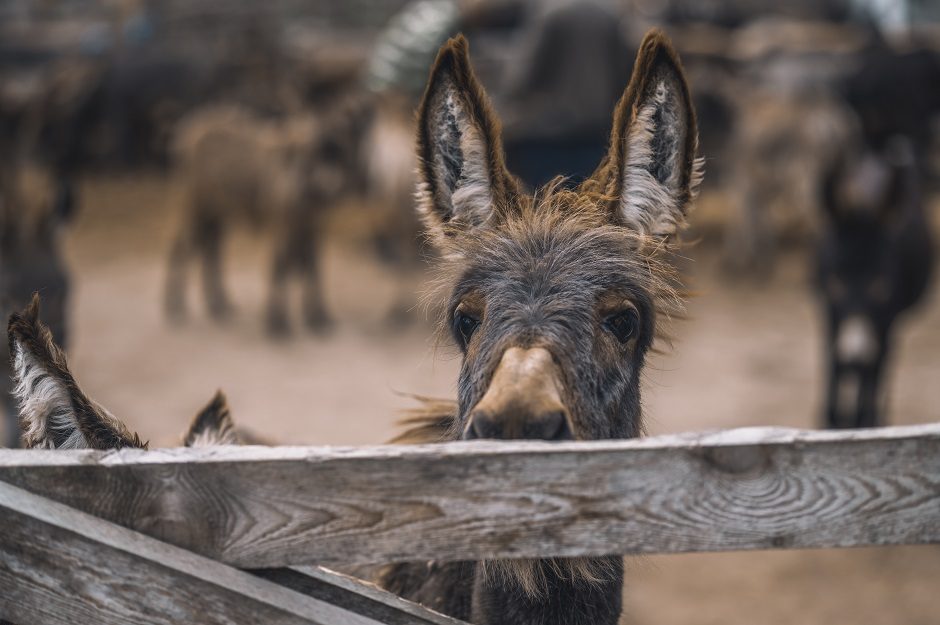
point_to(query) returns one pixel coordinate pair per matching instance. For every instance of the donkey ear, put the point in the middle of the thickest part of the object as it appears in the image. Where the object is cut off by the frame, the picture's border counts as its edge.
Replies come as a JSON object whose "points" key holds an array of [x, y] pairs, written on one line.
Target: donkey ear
{"points": [[54, 412], [651, 168], [462, 166], [213, 425]]}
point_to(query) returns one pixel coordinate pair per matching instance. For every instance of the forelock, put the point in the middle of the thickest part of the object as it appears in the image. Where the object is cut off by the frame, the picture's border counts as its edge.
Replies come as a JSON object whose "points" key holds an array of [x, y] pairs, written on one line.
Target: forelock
{"points": [[574, 232]]}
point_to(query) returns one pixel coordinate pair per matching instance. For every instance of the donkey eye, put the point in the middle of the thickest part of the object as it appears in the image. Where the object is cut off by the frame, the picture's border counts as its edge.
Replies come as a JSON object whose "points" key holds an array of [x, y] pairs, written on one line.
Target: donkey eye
{"points": [[464, 327], [623, 325]]}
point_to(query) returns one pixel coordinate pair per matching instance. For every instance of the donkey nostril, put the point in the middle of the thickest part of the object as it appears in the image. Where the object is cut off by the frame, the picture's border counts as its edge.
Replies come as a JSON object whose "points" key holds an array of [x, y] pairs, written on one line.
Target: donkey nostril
{"points": [[549, 426], [482, 425]]}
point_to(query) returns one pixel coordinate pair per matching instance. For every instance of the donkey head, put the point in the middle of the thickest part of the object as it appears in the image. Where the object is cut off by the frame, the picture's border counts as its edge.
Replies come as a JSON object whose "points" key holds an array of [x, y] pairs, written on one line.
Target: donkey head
{"points": [[553, 298], [56, 414]]}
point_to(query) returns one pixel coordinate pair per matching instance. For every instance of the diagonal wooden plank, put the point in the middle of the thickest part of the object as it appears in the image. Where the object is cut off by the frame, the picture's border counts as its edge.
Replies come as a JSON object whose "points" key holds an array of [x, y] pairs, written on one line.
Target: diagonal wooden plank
{"points": [[353, 594], [756, 488], [62, 566]]}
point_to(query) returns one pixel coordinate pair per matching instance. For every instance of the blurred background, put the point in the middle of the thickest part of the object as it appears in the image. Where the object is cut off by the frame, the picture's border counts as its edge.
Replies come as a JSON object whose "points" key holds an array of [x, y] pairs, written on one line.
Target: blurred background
{"points": [[217, 194]]}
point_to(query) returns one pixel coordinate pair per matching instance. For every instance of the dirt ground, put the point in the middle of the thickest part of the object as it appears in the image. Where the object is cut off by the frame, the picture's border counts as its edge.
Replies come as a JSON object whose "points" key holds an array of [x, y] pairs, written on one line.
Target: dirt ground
{"points": [[748, 355]]}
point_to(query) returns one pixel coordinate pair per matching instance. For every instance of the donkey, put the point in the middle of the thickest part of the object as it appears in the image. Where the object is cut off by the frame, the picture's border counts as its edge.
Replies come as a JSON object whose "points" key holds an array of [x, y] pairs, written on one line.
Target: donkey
{"points": [[237, 167], [55, 413], [873, 263], [33, 210], [554, 300]]}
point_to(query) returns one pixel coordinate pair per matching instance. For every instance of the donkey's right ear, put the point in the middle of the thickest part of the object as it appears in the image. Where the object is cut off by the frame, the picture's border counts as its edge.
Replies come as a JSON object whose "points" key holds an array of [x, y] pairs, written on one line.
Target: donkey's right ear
{"points": [[54, 412], [462, 166], [652, 170]]}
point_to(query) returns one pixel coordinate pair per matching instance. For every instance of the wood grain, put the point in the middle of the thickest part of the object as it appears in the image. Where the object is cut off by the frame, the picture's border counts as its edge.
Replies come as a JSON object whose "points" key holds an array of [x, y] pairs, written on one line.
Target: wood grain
{"points": [[755, 488], [62, 566], [354, 595]]}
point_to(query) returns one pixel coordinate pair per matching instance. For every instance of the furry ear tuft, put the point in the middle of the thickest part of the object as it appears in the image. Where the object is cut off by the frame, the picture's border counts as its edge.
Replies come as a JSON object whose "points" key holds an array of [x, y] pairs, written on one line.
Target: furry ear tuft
{"points": [[462, 166], [54, 412], [213, 425], [651, 167]]}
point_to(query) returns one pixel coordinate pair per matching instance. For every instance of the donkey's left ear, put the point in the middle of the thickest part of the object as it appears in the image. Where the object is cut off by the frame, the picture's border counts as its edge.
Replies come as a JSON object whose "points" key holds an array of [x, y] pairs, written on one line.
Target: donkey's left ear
{"points": [[462, 166], [212, 425], [651, 168], [54, 412]]}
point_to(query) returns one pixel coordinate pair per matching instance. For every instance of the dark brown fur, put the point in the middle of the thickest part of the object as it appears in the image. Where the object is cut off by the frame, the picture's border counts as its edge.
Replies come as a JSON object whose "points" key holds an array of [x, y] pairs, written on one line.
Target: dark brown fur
{"points": [[574, 282]]}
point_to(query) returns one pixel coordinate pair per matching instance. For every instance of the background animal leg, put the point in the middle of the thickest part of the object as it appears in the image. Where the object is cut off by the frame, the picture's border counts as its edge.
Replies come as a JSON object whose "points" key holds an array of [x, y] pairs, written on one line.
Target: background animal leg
{"points": [[869, 409], [853, 394], [175, 293], [833, 418], [315, 315], [210, 244], [278, 323]]}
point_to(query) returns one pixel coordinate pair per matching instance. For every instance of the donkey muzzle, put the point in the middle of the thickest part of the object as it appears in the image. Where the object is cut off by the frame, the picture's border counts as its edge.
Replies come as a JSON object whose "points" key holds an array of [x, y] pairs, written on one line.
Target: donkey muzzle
{"points": [[523, 400]]}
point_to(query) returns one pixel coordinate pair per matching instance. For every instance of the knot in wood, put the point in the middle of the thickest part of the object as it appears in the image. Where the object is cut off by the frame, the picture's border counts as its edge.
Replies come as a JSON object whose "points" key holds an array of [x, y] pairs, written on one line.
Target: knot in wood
{"points": [[737, 460]]}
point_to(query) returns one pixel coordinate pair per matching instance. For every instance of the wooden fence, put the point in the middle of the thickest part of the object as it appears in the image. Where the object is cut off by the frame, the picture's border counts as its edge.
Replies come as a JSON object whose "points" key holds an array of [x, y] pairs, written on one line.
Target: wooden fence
{"points": [[162, 536]]}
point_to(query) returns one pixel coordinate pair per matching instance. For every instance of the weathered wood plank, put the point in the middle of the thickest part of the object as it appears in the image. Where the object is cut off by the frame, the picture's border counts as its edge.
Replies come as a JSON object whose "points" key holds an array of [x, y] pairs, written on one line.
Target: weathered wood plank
{"points": [[62, 566], [353, 594], [755, 488]]}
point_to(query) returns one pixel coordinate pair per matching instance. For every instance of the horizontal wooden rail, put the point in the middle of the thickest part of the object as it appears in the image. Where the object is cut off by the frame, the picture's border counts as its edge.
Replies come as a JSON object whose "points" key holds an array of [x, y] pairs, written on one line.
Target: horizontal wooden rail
{"points": [[60, 566], [753, 488]]}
